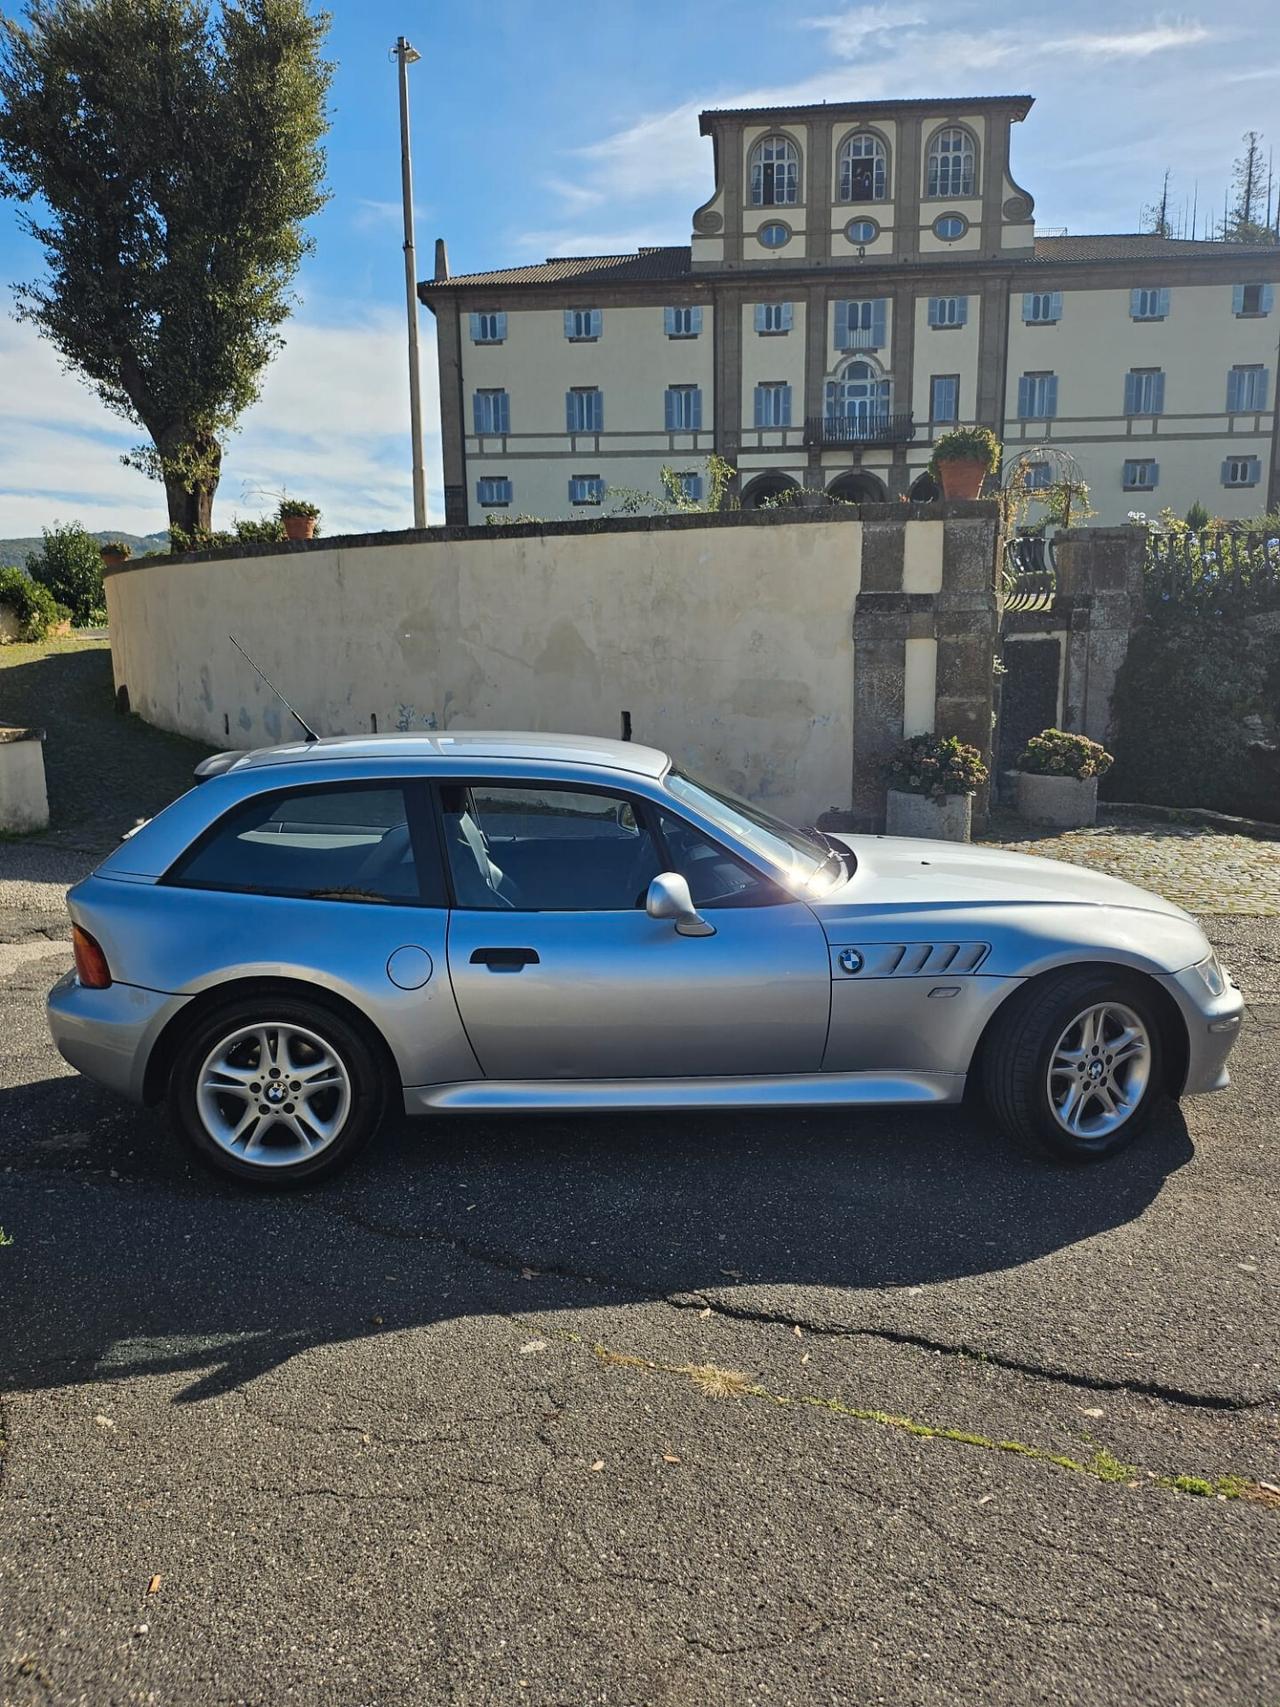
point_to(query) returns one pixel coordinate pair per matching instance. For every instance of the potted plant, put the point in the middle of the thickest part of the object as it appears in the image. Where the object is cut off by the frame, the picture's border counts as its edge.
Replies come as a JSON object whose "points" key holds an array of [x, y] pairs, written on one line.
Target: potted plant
{"points": [[962, 460], [932, 780], [1058, 779], [299, 518], [114, 553]]}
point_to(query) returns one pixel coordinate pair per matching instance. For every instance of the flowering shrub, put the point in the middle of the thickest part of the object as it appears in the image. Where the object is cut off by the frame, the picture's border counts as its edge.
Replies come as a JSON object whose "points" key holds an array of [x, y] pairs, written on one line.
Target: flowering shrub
{"points": [[936, 765], [1054, 752]]}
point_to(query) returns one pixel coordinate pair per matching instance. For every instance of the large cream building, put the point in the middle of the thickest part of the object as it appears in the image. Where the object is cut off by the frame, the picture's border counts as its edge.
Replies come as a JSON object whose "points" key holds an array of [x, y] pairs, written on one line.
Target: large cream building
{"points": [[862, 277]]}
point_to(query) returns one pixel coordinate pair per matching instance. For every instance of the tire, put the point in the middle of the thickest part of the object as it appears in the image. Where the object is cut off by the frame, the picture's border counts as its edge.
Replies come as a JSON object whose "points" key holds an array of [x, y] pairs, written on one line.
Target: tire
{"points": [[314, 1108], [1053, 1026]]}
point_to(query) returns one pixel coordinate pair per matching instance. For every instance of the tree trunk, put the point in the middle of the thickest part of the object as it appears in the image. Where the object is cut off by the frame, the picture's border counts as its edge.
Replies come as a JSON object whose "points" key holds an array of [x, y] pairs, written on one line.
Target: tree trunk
{"points": [[190, 488]]}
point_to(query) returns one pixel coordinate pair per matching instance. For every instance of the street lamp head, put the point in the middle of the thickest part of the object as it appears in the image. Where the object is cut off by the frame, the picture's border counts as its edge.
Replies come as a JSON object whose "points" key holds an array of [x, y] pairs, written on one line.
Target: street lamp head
{"points": [[410, 54]]}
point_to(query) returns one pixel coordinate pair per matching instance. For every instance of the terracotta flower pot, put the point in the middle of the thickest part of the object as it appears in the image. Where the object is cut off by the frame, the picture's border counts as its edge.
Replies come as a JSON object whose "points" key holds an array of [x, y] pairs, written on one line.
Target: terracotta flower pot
{"points": [[962, 478], [113, 559], [299, 527]]}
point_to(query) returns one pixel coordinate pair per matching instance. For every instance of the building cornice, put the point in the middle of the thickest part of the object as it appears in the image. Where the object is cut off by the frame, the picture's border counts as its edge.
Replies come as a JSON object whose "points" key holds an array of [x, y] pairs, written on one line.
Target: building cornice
{"points": [[715, 118]]}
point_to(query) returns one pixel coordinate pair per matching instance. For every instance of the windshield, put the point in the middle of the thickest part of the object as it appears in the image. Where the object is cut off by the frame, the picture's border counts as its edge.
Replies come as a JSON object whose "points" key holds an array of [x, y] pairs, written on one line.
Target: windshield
{"points": [[811, 861]]}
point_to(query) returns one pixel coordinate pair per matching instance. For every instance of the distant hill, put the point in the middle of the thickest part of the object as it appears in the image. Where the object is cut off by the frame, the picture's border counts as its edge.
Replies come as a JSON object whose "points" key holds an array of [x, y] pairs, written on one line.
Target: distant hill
{"points": [[15, 550]]}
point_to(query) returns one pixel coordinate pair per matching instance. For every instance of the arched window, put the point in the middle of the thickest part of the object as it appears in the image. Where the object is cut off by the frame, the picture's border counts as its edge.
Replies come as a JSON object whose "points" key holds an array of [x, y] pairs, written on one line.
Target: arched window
{"points": [[859, 395], [951, 163], [775, 173], [863, 168]]}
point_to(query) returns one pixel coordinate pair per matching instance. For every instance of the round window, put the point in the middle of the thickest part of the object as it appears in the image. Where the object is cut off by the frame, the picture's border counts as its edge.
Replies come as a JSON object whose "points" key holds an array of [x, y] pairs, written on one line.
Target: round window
{"points": [[949, 226], [774, 234], [862, 231]]}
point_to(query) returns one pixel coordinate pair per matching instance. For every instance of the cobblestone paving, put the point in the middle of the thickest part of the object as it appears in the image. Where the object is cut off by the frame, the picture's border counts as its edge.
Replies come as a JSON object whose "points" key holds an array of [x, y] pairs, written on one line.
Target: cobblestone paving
{"points": [[1202, 870]]}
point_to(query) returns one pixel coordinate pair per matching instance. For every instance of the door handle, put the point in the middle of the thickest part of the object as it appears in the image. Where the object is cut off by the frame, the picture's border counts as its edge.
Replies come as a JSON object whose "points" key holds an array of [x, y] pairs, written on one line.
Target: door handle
{"points": [[504, 959]]}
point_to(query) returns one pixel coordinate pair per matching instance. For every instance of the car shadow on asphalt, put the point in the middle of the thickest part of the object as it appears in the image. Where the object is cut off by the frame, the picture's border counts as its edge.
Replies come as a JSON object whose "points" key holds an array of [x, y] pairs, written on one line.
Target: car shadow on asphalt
{"points": [[128, 1259]]}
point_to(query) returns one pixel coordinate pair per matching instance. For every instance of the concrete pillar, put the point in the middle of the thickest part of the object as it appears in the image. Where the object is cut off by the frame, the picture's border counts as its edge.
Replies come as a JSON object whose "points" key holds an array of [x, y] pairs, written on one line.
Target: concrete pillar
{"points": [[1101, 570], [24, 802]]}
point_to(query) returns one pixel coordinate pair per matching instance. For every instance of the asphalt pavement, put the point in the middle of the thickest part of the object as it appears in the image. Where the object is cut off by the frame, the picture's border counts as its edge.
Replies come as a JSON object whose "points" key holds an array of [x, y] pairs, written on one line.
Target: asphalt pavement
{"points": [[687, 1410]]}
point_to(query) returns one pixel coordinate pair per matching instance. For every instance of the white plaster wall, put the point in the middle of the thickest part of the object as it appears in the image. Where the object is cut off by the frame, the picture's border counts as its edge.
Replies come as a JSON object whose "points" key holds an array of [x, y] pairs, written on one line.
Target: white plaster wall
{"points": [[945, 349], [730, 647]]}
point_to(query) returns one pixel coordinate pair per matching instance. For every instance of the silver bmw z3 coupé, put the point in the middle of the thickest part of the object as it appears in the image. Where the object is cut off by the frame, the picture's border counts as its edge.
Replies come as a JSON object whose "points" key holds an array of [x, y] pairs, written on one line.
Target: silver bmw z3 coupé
{"points": [[321, 932]]}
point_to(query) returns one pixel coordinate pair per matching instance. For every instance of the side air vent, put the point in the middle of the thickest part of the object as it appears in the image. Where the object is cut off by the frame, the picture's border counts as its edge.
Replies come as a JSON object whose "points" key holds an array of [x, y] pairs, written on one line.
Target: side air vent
{"points": [[906, 959]]}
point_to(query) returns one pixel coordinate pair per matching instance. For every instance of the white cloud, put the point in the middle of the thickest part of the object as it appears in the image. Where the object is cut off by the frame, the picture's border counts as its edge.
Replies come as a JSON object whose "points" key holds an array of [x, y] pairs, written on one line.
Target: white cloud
{"points": [[332, 425], [565, 240]]}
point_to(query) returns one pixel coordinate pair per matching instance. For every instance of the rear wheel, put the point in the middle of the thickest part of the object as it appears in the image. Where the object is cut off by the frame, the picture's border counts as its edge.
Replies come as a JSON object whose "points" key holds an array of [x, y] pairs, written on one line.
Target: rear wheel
{"points": [[275, 1091], [1075, 1068]]}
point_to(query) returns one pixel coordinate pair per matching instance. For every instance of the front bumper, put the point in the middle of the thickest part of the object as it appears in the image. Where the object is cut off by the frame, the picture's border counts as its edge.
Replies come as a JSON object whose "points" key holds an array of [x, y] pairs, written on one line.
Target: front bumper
{"points": [[1213, 1025], [108, 1035]]}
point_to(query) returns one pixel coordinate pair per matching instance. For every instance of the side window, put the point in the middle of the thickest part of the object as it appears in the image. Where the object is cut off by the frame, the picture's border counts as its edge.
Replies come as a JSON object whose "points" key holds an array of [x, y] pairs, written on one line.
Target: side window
{"points": [[716, 878], [327, 844], [544, 849]]}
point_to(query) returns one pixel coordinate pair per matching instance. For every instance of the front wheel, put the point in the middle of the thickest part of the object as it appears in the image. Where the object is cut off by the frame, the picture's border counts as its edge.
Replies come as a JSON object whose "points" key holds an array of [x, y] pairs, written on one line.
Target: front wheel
{"points": [[274, 1091], [1075, 1068]]}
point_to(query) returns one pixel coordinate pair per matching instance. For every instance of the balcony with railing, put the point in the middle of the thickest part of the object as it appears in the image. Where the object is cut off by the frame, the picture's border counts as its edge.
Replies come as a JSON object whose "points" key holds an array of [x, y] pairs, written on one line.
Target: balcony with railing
{"points": [[868, 429]]}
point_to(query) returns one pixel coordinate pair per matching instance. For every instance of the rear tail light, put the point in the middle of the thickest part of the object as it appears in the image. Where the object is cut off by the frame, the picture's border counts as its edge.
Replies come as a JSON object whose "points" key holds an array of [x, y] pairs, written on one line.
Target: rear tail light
{"points": [[91, 963]]}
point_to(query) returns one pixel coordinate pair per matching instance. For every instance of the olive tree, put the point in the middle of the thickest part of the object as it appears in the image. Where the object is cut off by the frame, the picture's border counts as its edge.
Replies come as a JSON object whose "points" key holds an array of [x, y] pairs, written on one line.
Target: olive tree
{"points": [[169, 153]]}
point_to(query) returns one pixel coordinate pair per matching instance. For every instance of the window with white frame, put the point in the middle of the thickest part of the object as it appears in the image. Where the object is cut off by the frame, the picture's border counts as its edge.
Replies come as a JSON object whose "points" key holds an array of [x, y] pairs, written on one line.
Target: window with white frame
{"points": [[949, 226], [682, 322], [861, 325], [683, 408], [488, 327], [1247, 389], [1142, 475], [774, 235], [491, 410], [1241, 471], [493, 491], [773, 404], [775, 172], [689, 485], [1148, 302], [1252, 299], [583, 325], [951, 163], [584, 409], [944, 397], [774, 317], [1041, 307], [586, 489], [1037, 396], [863, 168], [948, 311], [1144, 391], [1037, 476]]}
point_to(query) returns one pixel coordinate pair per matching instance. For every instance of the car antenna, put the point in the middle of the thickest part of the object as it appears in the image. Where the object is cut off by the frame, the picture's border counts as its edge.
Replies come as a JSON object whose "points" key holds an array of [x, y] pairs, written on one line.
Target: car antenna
{"points": [[307, 730]]}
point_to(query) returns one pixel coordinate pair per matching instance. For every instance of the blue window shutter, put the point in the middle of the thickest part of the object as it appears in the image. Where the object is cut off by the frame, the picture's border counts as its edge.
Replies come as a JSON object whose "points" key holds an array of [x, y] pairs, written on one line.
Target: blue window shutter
{"points": [[501, 319], [786, 406], [695, 319], [1157, 393], [475, 328], [1226, 471], [1051, 395], [1155, 474], [696, 422], [842, 325], [962, 311], [1162, 301], [935, 310], [1135, 303], [569, 322], [597, 320], [1261, 388], [570, 412], [760, 406], [597, 410], [1237, 299], [669, 321], [669, 417], [504, 413], [760, 314], [1028, 298], [1266, 297], [1130, 393], [786, 316], [1024, 397], [1234, 377], [1055, 304], [878, 308]]}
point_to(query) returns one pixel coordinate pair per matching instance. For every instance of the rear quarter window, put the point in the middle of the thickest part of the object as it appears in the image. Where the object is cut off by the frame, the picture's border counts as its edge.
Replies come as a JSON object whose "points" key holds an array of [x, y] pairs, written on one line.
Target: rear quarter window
{"points": [[347, 843]]}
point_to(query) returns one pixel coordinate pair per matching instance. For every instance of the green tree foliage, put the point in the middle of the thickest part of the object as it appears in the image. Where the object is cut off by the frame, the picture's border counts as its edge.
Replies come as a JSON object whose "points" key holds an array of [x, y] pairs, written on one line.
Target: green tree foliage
{"points": [[171, 149], [30, 604], [69, 566]]}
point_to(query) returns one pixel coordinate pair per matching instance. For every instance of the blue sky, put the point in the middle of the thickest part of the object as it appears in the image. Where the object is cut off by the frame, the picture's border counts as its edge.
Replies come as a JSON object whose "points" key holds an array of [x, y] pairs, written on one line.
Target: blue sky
{"points": [[548, 127]]}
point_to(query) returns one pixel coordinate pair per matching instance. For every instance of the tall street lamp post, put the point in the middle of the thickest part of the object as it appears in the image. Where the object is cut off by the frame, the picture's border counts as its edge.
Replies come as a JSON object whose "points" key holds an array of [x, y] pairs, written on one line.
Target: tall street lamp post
{"points": [[407, 56]]}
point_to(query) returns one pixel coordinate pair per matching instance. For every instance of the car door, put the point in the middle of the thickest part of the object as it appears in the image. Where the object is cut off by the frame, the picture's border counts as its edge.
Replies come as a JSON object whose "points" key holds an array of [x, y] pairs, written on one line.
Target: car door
{"points": [[560, 973]]}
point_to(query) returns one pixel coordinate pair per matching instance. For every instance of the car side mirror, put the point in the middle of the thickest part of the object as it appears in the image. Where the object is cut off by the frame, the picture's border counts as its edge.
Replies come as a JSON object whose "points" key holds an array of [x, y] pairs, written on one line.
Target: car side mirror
{"points": [[668, 897]]}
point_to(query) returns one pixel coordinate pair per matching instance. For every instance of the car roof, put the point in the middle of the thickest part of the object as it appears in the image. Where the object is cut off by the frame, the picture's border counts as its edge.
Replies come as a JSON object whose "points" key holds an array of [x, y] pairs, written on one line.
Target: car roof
{"points": [[467, 744]]}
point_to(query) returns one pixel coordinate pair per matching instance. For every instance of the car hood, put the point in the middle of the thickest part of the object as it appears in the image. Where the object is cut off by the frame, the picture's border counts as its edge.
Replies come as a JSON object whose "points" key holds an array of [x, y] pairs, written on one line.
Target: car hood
{"points": [[900, 871]]}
